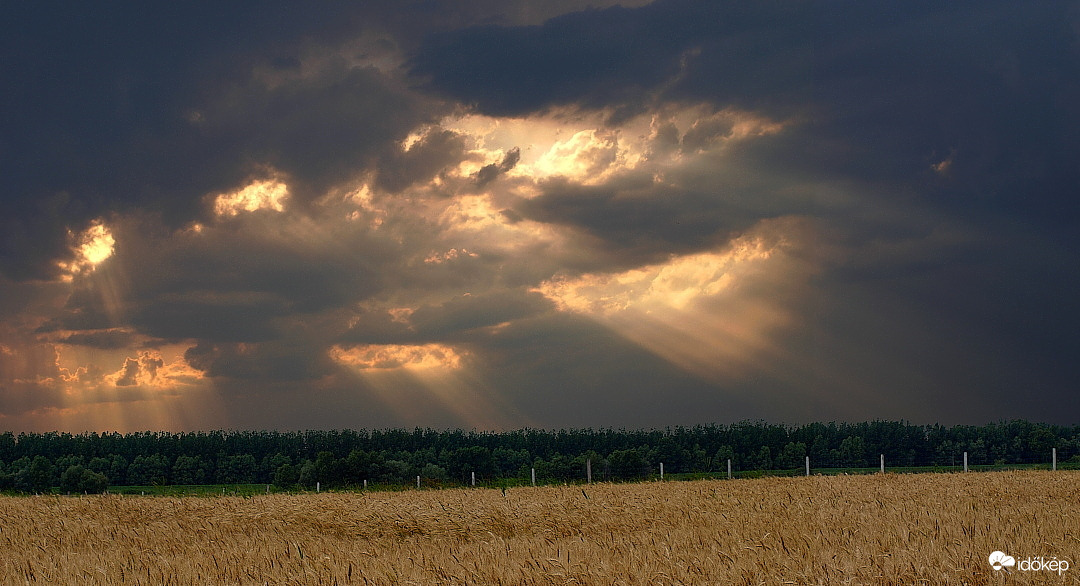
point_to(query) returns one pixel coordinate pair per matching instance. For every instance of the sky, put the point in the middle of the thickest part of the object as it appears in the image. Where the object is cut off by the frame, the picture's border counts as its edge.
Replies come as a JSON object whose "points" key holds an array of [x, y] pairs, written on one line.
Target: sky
{"points": [[495, 215]]}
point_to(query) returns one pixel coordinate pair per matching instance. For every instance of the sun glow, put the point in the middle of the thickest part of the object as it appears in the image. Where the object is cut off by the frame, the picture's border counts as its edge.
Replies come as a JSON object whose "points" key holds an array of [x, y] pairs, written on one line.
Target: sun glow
{"points": [[97, 244], [93, 247]]}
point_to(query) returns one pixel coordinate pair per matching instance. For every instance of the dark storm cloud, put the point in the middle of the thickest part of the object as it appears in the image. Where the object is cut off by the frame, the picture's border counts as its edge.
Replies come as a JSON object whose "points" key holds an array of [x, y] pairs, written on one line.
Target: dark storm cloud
{"points": [[489, 173], [242, 280], [84, 310], [469, 312], [596, 57], [636, 221], [130, 373], [318, 132], [432, 153], [448, 321], [287, 359], [104, 339]]}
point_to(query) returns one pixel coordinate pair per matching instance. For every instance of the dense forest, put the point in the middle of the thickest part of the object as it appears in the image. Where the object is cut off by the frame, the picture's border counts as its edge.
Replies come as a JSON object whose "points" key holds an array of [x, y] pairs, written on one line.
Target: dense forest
{"points": [[89, 462]]}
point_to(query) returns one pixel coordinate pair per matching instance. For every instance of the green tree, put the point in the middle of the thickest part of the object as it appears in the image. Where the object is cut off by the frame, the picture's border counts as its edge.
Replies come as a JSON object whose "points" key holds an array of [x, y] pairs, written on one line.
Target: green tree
{"points": [[723, 454], [118, 466], [759, 460], [433, 472], [627, 464], [145, 470], [329, 470], [38, 476], [7, 479], [78, 479], [286, 476], [189, 470], [236, 469], [462, 462], [853, 451], [792, 456], [307, 477], [509, 462], [821, 454]]}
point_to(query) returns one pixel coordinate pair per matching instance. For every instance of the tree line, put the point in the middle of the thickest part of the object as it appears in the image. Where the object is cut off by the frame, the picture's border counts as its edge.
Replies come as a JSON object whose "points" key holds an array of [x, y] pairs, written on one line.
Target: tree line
{"points": [[90, 462]]}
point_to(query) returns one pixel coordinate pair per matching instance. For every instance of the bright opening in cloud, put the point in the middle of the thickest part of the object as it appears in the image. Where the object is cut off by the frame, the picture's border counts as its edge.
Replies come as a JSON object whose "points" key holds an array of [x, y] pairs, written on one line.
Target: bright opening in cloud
{"points": [[259, 195], [91, 248], [97, 244]]}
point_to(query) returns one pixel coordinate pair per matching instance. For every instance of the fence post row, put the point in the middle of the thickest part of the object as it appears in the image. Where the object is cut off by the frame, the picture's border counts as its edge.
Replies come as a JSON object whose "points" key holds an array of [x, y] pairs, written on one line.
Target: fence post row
{"points": [[588, 471]]}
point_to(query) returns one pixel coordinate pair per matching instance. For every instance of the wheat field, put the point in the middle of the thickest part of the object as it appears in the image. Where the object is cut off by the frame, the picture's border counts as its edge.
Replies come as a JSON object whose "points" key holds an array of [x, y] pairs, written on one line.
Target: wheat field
{"points": [[880, 529]]}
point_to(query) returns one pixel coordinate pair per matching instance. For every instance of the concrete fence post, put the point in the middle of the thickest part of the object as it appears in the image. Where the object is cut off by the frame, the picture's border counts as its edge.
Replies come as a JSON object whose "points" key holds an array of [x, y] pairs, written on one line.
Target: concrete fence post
{"points": [[534, 476], [883, 463], [1053, 456], [965, 462], [588, 470], [661, 470], [729, 469], [808, 465]]}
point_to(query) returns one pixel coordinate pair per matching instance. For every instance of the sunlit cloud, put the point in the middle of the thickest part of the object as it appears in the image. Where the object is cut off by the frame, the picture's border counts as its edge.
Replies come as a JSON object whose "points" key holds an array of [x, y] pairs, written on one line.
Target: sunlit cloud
{"points": [[675, 284], [580, 147], [449, 255], [587, 157], [576, 147], [393, 356], [259, 195]]}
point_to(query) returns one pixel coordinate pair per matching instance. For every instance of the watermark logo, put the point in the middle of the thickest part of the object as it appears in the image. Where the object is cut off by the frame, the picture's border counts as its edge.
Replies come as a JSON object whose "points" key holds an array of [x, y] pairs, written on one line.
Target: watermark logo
{"points": [[999, 560]]}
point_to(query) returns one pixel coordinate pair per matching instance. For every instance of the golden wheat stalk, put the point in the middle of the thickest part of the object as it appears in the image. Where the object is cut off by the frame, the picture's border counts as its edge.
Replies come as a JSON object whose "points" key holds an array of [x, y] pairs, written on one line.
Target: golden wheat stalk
{"points": [[880, 529]]}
